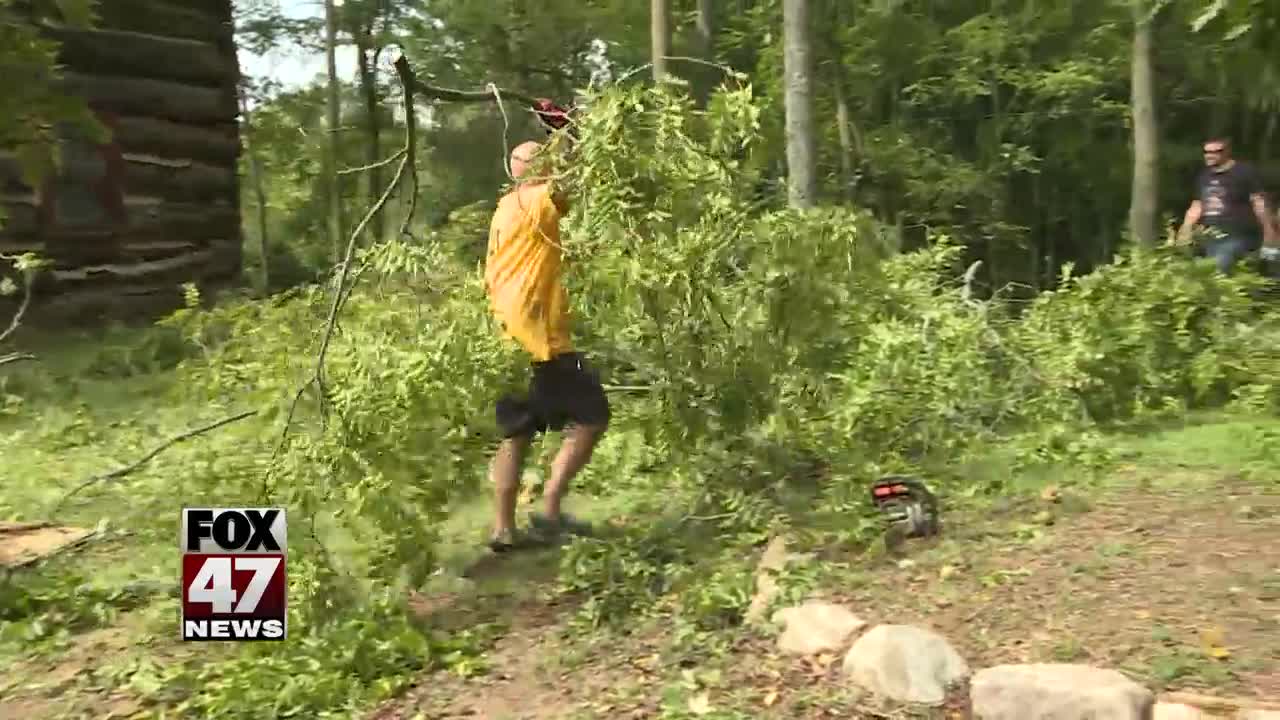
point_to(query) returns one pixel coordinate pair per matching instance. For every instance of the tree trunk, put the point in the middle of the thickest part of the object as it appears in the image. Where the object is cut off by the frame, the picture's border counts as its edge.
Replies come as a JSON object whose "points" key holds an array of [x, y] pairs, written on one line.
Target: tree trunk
{"points": [[801, 169], [660, 36], [708, 77], [365, 57], [1142, 202], [260, 196], [332, 179]]}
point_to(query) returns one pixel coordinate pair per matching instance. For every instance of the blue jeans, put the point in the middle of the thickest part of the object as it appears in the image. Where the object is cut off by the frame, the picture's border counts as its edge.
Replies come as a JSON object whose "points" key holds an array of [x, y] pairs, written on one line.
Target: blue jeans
{"points": [[1228, 250]]}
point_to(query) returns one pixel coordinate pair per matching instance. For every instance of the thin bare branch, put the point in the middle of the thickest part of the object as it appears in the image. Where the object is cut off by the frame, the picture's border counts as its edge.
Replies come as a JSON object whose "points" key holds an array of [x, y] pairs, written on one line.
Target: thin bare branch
{"points": [[372, 166], [16, 320], [15, 357], [131, 467]]}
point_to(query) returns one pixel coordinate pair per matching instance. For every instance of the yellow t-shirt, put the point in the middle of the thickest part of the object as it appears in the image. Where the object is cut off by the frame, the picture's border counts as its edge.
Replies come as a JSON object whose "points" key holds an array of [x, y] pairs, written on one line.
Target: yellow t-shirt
{"points": [[522, 271]]}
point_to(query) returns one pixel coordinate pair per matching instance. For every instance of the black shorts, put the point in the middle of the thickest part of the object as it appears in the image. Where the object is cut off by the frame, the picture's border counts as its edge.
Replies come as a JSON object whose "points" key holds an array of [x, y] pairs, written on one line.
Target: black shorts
{"points": [[563, 390]]}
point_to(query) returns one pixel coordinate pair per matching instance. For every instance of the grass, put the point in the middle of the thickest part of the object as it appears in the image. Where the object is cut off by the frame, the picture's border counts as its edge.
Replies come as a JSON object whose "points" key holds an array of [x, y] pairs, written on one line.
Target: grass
{"points": [[1129, 568]]}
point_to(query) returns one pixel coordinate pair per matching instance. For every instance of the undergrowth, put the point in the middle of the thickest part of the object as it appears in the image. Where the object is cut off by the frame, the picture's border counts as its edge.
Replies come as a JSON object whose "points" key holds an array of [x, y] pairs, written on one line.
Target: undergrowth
{"points": [[770, 364]]}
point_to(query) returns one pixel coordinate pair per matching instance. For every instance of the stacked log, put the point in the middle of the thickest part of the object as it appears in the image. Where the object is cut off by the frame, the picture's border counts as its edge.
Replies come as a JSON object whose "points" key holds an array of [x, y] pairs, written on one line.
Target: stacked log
{"points": [[158, 204]]}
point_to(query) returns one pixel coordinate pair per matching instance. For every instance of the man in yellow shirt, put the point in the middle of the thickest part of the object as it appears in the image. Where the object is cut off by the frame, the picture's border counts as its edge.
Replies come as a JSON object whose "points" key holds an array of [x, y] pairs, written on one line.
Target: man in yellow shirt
{"points": [[522, 279]]}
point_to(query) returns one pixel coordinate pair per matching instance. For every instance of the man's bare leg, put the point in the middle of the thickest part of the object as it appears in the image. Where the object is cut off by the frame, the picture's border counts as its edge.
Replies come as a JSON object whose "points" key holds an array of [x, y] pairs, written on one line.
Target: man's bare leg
{"points": [[505, 474], [575, 451]]}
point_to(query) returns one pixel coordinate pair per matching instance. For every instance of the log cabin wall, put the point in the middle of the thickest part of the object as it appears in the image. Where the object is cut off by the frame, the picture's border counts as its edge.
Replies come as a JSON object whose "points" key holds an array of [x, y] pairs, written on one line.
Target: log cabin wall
{"points": [[127, 223]]}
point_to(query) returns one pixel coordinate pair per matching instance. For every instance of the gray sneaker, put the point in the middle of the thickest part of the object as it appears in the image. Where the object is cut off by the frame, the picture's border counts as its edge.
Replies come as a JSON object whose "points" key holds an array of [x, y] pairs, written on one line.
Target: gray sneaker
{"points": [[566, 524], [510, 539]]}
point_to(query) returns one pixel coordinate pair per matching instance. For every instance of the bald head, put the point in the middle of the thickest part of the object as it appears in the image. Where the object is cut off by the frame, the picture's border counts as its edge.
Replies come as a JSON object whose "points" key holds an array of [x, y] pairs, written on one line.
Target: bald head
{"points": [[522, 157]]}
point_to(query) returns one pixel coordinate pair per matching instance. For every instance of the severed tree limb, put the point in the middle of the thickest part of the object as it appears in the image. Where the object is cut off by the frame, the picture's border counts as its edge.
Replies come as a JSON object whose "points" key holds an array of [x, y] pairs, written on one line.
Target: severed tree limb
{"points": [[343, 289], [446, 94], [127, 469], [339, 299], [15, 357]]}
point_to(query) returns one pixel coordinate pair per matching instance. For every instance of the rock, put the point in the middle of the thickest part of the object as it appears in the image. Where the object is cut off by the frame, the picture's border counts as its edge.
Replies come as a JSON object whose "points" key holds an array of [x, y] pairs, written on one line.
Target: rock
{"points": [[816, 627], [905, 663], [1176, 711], [1057, 692]]}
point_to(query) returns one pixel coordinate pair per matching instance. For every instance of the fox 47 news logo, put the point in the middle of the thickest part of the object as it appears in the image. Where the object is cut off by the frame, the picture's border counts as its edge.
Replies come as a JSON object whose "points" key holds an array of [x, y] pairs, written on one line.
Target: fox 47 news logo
{"points": [[233, 581]]}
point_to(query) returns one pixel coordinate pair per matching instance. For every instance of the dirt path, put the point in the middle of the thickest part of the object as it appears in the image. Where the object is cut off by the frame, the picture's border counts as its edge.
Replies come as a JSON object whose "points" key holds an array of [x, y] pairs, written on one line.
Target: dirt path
{"points": [[1180, 588], [531, 676]]}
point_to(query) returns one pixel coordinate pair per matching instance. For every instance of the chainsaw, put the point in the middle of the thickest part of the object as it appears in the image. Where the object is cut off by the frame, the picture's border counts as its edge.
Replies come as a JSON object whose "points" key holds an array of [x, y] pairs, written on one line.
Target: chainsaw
{"points": [[553, 117], [907, 504]]}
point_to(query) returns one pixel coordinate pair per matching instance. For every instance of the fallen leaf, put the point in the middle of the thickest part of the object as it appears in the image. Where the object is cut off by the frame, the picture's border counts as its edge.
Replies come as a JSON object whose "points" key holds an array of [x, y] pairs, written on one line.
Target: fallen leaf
{"points": [[1050, 494], [825, 659], [1142, 614], [947, 571], [771, 698], [1212, 642], [700, 704]]}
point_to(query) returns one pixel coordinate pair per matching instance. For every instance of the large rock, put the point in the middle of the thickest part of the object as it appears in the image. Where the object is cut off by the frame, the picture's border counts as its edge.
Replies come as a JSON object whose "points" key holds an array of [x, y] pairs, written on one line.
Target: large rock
{"points": [[1176, 711], [1057, 692], [816, 627], [905, 663]]}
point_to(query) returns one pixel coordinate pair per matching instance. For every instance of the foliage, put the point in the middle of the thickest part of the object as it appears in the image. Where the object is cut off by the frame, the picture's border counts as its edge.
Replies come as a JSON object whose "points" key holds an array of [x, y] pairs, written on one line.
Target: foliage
{"points": [[1148, 333], [54, 605]]}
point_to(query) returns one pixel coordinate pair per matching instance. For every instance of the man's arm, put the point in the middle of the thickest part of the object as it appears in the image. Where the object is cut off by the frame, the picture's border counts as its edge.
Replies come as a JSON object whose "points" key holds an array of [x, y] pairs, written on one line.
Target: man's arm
{"points": [[1265, 219], [1191, 217], [1258, 201]]}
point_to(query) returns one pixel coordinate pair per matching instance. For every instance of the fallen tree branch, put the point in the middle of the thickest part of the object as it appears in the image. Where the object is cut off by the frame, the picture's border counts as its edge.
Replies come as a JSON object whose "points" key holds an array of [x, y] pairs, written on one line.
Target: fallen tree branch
{"points": [[627, 388], [16, 320], [15, 357], [127, 469]]}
